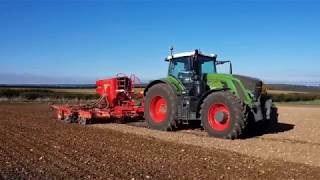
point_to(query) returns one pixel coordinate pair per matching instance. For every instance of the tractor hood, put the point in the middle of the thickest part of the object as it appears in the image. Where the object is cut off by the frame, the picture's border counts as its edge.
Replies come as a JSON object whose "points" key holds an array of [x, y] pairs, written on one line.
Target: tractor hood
{"points": [[246, 78], [216, 81]]}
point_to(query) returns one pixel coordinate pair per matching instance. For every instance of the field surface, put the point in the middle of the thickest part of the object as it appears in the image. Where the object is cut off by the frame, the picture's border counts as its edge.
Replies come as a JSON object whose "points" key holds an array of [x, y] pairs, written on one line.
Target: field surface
{"points": [[34, 145]]}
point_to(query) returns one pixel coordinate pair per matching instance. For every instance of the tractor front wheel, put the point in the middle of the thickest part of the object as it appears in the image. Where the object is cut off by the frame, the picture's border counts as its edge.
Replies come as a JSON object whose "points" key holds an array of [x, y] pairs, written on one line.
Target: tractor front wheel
{"points": [[160, 107], [223, 115]]}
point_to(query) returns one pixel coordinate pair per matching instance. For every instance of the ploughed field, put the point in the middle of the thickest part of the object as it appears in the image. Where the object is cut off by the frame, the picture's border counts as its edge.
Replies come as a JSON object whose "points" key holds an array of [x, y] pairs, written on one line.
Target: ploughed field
{"points": [[34, 145]]}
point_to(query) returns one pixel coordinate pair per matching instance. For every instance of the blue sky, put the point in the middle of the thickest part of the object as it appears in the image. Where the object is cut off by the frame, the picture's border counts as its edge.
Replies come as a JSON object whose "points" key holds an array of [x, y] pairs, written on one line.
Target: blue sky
{"points": [[85, 40]]}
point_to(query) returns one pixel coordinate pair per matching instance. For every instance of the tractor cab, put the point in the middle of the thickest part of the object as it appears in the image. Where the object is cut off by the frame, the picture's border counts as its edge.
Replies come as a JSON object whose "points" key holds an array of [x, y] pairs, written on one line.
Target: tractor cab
{"points": [[191, 66], [195, 65]]}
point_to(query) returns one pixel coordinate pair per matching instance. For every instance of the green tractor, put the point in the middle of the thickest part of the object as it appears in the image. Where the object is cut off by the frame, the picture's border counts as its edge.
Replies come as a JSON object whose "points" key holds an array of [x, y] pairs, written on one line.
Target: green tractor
{"points": [[193, 91]]}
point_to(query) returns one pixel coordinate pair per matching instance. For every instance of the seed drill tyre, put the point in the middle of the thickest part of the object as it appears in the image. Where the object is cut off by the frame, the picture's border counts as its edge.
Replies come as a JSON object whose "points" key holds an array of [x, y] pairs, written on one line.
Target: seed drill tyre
{"points": [[160, 107], [61, 116], [68, 119], [82, 121], [223, 115]]}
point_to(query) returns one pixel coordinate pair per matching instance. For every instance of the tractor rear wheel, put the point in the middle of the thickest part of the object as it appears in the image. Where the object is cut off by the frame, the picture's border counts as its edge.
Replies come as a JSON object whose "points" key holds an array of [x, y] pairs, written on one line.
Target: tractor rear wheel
{"points": [[223, 115], [160, 107]]}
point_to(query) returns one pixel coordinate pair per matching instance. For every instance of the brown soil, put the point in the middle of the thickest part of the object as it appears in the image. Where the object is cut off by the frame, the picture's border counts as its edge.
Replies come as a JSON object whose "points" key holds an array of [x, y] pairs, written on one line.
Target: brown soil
{"points": [[34, 145], [295, 139]]}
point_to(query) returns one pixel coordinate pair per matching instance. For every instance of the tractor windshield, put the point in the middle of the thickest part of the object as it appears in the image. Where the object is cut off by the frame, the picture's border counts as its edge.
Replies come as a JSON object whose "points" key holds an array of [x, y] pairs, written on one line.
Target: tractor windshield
{"points": [[178, 65], [206, 65]]}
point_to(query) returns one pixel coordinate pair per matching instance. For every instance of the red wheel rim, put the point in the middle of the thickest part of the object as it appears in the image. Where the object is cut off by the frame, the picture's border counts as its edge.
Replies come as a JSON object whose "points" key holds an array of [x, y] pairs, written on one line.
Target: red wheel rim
{"points": [[222, 123], [158, 109]]}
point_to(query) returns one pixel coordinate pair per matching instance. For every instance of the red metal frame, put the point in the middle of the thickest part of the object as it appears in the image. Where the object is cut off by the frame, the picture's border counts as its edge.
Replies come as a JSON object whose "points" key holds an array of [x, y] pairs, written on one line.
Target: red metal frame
{"points": [[116, 101]]}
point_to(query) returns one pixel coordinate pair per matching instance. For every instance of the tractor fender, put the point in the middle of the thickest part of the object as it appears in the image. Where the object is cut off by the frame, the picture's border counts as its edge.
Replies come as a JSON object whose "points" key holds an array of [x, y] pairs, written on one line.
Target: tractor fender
{"points": [[207, 93], [152, 83]]}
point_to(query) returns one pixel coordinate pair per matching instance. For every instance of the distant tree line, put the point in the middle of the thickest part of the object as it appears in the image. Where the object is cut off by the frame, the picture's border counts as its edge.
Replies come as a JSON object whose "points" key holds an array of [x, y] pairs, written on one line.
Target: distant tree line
{"points": [[292, 97], [289, 87]]}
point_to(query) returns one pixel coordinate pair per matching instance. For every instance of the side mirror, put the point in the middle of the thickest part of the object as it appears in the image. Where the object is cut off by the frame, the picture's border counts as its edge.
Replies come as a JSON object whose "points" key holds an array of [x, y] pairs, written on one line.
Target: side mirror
{"points": [[223, 62]]}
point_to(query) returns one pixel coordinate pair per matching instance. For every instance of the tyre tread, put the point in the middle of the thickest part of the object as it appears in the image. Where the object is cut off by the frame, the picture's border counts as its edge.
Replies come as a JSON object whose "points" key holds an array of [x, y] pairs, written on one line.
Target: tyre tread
{"points": [[238, 107]]}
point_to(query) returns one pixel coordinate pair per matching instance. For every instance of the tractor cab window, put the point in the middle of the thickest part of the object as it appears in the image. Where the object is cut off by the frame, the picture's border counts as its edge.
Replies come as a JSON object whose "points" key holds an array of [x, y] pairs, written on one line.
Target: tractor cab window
{"points": [[178, 65], [206, 65]]}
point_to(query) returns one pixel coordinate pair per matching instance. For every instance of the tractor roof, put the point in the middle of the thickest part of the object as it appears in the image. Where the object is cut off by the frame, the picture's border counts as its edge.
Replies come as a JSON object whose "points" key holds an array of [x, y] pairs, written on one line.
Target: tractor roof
{"points": [[187, 54]]}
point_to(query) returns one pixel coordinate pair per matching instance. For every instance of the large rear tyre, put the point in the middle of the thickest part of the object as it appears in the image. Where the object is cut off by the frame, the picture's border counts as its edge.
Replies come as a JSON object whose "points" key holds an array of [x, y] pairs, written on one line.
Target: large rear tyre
{"points": [[223, 115], [160, 107]]}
